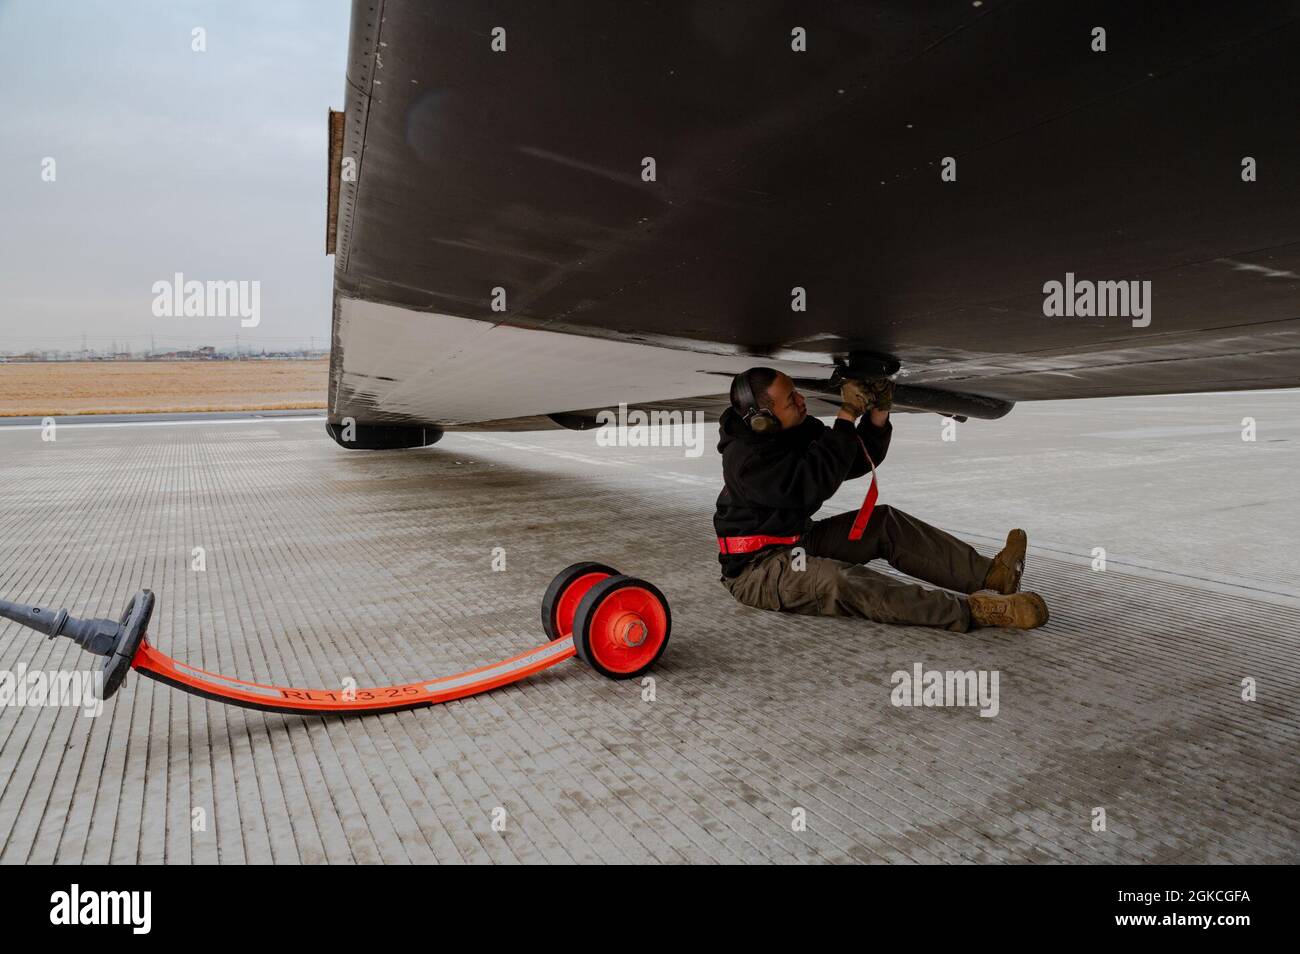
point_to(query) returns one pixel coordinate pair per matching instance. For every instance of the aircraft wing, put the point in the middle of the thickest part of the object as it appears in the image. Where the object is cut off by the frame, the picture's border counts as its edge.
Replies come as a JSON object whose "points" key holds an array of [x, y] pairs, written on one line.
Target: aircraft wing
{"points": [[548, 209]]}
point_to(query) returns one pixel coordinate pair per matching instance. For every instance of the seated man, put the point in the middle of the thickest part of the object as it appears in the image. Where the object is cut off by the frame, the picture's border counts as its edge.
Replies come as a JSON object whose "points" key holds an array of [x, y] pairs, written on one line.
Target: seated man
{"points": [[779, 466]]}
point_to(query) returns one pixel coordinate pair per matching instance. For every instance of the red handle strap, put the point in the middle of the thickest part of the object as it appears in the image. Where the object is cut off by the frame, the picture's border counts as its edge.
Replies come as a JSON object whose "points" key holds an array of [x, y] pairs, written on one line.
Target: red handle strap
{"points": [[869, 503]]}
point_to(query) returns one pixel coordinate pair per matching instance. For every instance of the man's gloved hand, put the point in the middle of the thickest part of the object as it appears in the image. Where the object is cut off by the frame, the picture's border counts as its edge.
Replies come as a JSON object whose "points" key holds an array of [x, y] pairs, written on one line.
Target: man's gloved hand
{"points": [[855, 397], [882, 394]]}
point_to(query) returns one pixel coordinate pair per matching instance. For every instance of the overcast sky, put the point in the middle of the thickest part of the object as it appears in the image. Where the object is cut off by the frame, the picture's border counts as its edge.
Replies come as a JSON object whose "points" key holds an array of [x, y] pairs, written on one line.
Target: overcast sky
{"points": [[166, 160]]}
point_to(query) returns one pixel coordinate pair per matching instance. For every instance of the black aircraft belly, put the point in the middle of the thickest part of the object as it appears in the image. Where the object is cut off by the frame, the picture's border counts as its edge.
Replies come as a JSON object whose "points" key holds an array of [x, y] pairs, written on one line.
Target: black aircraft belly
{"points": [[775, 169]]}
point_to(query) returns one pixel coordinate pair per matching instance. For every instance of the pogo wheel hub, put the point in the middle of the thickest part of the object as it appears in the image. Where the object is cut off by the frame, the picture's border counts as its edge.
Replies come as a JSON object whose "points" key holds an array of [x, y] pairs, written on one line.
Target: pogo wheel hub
{"points": [[631, 629]]}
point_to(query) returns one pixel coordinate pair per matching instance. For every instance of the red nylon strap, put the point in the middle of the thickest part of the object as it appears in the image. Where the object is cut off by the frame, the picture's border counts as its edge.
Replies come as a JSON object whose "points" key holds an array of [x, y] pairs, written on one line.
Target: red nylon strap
{"points": [[732, 545], [868, 504]]}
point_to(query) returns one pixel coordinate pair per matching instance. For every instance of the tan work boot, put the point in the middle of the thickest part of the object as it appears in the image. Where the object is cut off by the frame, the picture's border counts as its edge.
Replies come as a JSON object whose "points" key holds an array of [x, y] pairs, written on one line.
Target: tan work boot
{"points": [[1004, 575], [1009, 611]]}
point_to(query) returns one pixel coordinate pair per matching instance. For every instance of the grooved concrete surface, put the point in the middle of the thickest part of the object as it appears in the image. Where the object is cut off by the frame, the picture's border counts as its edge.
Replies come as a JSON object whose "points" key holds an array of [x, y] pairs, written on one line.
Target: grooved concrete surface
{"points": [[324, 564]]}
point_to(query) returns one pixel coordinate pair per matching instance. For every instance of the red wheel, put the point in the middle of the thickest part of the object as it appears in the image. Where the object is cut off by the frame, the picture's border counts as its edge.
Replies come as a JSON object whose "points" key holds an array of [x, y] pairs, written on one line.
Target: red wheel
{"points": [[565, 592], [621, 627]]}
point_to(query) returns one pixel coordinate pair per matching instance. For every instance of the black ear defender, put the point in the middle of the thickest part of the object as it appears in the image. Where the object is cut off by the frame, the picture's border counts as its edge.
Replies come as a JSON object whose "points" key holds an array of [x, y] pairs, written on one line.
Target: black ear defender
{"points": [[760, 419]]}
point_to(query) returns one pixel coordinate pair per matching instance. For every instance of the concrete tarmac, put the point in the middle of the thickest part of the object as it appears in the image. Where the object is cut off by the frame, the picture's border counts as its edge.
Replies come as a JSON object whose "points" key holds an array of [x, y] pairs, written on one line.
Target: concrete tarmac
{"points": [[763, 738]]}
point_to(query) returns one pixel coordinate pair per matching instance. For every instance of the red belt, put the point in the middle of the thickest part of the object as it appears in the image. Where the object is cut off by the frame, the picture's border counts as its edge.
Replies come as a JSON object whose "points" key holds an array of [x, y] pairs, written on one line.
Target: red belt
{"points": [[730, 545]]}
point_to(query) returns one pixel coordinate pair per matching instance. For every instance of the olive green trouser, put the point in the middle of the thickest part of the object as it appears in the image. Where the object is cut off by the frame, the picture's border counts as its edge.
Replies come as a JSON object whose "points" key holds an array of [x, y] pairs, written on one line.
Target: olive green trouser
{"points": [[834, 582]]}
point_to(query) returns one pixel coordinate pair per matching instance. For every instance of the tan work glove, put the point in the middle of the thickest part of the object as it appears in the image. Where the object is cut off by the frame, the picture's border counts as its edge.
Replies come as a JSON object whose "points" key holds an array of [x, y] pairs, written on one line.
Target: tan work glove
{"points": [[882, 394], [855, 397]]}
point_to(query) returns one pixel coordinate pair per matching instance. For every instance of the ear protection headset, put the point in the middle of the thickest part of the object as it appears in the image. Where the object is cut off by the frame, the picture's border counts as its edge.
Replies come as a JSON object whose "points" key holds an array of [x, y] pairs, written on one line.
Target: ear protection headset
{"points": [[760, 419]]}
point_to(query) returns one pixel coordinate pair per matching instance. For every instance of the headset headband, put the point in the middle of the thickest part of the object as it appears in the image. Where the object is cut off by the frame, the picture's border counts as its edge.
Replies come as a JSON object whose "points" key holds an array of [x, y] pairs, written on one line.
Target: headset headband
{"points": [[745, 394]]}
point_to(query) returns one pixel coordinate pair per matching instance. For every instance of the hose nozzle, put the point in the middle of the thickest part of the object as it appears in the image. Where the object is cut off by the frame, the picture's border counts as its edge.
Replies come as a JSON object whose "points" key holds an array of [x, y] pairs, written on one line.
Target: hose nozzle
{"points": [[117, 642]]}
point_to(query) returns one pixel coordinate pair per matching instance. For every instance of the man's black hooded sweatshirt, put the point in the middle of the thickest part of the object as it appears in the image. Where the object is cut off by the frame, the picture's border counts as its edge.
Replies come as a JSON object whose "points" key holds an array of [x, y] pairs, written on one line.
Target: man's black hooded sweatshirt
{"points": [[774, 483]]}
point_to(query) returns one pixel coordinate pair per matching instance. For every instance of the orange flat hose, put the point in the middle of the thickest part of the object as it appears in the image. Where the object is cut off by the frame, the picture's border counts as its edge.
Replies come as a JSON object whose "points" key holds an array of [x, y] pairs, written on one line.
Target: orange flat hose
{"points": [[252, 695]]}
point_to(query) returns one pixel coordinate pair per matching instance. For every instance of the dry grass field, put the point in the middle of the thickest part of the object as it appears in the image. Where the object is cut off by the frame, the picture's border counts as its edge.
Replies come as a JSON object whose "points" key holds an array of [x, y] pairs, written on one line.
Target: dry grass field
{"points": [[141, 387]]}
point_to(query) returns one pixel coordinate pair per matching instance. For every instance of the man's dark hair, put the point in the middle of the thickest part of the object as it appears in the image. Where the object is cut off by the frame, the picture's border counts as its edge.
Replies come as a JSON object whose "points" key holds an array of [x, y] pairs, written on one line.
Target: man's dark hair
{"points": [[760, 379]]}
